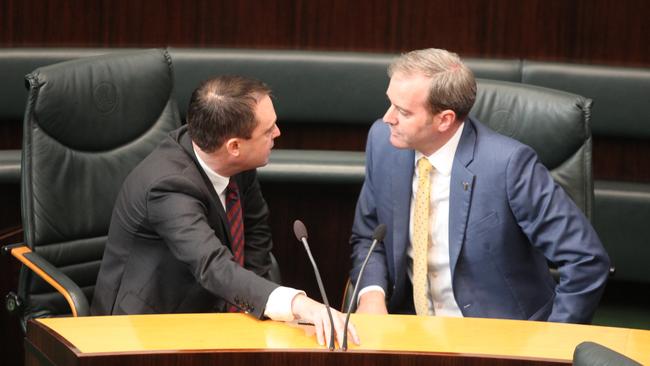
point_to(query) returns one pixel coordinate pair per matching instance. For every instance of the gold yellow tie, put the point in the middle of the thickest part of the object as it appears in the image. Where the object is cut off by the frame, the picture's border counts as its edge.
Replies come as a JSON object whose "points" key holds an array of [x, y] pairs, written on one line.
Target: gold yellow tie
{"points": [[421, 237]]}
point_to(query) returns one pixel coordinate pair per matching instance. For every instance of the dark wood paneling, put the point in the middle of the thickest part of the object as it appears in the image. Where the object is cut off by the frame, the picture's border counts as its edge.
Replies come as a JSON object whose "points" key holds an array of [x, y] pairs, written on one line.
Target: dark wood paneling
{"points": [[589, 31], [327, 212], [621, 159], [9, 207], [347, 137], [10, 134]]}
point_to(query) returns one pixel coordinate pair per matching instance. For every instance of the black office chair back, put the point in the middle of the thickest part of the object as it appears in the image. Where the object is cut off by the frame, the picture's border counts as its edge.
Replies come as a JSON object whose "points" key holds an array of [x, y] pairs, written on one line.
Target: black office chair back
{"points": [[554, 123], [87, 123]]}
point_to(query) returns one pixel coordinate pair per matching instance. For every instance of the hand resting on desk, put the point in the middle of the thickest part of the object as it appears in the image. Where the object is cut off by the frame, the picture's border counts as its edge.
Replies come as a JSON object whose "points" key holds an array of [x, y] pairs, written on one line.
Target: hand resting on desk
{"points": [[307, 310]]}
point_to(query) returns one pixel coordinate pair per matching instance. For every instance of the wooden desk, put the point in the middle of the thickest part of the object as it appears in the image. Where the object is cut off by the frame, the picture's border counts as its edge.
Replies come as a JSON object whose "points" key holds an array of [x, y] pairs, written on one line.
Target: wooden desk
{"points": [[239, 339]]}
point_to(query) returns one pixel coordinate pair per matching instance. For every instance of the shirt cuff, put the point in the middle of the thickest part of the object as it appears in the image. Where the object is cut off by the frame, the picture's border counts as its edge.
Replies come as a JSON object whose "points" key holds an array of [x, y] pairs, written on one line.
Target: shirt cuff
{"points": [[278, 306], [368, 289]]}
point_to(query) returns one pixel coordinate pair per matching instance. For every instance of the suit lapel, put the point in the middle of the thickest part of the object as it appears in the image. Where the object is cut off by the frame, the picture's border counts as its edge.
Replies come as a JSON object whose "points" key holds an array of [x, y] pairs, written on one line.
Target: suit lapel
{"points": [[401, 182], [215, 203], [460, 192]]}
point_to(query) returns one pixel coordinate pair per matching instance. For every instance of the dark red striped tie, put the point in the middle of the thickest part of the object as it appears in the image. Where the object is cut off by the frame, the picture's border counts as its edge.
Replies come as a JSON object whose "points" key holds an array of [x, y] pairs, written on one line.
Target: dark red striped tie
{"points": [[234, 213]]}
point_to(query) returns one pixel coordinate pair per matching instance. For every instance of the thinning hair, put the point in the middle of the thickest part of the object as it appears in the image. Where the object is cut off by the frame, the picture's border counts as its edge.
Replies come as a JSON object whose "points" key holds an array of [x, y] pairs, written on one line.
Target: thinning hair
{"points": [[224, 107], [452, 83]]}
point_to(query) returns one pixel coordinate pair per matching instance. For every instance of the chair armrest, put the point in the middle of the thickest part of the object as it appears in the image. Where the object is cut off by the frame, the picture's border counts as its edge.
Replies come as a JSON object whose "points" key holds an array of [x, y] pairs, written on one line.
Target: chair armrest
{"points": [[52, 275]]}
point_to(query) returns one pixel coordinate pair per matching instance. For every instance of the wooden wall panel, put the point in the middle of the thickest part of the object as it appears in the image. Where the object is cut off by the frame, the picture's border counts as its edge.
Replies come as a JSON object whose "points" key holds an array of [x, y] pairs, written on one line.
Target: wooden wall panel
{"points": [[587, 31], [327, 211]]}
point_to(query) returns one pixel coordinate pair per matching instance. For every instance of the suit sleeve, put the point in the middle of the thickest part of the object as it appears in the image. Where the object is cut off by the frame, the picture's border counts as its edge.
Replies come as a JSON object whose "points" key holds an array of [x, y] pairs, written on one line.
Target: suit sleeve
{"points": [[176, 212], [557, 227], [257, 231], [365, 222]]}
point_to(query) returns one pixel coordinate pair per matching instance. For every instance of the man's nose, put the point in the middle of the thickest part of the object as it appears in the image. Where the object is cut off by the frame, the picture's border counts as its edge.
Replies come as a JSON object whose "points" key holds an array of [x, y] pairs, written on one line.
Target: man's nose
{"points": [[389, 116]]}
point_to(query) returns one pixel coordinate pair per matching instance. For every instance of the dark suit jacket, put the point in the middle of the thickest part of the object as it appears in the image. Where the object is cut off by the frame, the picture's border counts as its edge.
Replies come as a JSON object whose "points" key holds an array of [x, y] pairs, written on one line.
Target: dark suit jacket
{"points": [[168, 248], [503, 226]]}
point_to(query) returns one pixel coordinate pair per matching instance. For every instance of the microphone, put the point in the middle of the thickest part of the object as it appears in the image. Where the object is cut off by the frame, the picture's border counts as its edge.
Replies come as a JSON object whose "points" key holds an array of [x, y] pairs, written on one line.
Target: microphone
{"points": [[377, 236], [301, 234]]}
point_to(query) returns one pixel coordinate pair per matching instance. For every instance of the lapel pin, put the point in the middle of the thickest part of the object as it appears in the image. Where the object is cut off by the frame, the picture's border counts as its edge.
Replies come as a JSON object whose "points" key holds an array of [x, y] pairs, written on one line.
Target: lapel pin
{"points": [[465, 186]]}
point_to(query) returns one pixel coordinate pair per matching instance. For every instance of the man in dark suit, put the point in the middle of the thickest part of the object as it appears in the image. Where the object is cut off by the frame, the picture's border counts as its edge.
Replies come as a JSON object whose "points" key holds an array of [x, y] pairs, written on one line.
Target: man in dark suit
{"points": [[472, 216], [189, 230]]}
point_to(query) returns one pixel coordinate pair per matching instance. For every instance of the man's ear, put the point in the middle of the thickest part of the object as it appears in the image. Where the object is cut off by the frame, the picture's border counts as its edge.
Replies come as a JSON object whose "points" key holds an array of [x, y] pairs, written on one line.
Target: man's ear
{"points": [[232, 147], [447, 119]]}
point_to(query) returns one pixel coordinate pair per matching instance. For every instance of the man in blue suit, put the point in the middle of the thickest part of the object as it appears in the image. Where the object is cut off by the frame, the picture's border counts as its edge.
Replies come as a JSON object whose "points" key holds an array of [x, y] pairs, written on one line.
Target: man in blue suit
{"points": [[472, 216]]}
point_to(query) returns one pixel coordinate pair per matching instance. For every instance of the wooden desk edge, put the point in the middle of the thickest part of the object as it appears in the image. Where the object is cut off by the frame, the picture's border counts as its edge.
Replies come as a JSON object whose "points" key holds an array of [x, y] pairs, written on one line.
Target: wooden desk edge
{"points": [[45, 346]]}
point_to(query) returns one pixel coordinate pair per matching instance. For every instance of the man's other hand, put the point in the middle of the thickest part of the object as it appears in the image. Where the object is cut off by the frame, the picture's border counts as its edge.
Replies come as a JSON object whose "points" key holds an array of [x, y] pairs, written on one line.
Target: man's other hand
{"points": [[308, 310]]}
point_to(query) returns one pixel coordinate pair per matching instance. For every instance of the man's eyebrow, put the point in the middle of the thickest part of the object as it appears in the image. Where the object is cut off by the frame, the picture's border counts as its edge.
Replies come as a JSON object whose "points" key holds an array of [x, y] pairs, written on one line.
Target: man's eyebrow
{"points": [[402, 109]]}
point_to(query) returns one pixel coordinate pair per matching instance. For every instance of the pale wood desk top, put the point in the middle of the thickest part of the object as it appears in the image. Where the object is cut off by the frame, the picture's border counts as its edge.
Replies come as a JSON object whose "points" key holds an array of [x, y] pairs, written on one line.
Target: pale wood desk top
{"points": [[396, 333]]}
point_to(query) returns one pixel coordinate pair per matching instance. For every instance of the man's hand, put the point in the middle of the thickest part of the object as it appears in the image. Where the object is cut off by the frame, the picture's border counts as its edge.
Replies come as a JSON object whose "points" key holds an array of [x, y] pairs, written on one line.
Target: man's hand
{"points": [[372, 302], [306, 309]]}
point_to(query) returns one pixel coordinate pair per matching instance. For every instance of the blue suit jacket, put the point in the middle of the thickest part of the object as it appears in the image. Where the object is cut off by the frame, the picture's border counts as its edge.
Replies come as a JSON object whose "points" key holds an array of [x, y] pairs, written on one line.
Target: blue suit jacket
{"points": [[506, 218]]}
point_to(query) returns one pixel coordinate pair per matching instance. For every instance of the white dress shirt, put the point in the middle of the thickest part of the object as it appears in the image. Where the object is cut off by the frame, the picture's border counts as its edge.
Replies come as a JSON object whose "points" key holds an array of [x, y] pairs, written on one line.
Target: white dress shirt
{"points": [[278, 305]]}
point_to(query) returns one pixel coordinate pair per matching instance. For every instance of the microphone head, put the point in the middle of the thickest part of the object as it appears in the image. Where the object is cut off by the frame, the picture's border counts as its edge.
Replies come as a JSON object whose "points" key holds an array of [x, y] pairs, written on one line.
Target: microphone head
{"points": [[299, 230], [379, 233]]}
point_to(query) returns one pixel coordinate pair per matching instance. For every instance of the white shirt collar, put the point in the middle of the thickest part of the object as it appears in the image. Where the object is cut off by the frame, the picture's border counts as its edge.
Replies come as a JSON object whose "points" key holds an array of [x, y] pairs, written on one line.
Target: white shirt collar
{"points": [[443, 158], [219, 182]]}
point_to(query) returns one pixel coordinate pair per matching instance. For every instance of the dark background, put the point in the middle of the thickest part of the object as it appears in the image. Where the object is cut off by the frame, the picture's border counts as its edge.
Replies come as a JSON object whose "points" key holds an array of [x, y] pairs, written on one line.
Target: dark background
{"points": [[605, 32]]}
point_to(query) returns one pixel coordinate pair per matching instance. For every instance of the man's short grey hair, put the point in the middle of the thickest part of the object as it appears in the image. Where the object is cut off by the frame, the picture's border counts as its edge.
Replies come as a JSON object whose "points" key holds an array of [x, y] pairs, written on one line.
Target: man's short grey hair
{"points": [[452, 83]]}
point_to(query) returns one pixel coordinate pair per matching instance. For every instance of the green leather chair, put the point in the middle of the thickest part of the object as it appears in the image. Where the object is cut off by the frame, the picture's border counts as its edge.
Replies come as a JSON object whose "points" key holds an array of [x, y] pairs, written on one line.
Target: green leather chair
{"points": [[88, 122], [594, 354], [554, 123]]}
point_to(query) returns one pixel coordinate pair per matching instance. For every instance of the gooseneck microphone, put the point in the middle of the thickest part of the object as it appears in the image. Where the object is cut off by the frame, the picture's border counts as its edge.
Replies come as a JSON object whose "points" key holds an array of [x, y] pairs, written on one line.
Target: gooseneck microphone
{"points": [[377, 236], [301, 234]]}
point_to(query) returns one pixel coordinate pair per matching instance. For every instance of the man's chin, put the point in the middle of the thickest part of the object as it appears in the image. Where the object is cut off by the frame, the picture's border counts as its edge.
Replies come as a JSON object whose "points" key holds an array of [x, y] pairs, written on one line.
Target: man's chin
{"points": [[397, 143], [264, 163]]}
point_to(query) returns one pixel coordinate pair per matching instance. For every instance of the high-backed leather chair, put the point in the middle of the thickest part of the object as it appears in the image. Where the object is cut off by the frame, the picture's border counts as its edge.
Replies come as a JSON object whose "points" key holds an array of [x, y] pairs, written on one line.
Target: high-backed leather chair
{"points": [[554, 123], [594, 354], [88, 122]]}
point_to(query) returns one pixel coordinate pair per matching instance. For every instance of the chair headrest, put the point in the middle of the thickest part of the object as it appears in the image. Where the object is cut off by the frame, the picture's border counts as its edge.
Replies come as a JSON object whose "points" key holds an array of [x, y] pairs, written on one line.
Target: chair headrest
{"points": [[554, 123], [96, 103]]}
